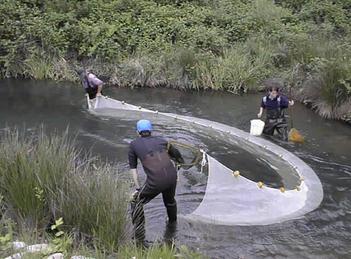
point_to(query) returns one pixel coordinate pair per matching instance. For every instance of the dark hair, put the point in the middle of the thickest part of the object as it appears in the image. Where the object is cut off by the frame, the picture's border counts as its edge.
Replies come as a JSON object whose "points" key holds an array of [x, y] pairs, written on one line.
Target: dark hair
{"points": [[80, 71], [273, 88], [145, 133]]}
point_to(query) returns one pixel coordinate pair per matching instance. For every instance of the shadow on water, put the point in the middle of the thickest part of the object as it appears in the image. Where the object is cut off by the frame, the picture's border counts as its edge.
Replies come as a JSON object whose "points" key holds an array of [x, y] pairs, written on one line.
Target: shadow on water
{"points": [[323, 233]]}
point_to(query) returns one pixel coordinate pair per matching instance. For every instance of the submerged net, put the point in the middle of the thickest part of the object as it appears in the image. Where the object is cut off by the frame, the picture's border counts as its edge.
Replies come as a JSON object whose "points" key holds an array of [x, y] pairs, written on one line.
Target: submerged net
{"points": [[191, 155], [230, 198]]}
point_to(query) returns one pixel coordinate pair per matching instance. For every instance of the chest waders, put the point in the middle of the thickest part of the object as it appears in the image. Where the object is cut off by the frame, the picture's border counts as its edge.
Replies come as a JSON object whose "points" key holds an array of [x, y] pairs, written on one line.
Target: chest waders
{"points": [[161, 178], [276, 120]]}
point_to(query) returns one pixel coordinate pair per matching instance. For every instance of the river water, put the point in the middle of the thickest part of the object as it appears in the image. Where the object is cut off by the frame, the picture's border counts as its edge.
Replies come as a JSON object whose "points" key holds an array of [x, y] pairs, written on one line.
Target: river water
{"points": [[323, 233]]}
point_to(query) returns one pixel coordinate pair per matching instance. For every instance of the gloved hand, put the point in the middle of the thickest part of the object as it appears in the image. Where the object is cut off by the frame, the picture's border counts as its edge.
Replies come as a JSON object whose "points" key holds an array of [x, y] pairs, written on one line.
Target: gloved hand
{"points": [[134, 200], [135, 194]]}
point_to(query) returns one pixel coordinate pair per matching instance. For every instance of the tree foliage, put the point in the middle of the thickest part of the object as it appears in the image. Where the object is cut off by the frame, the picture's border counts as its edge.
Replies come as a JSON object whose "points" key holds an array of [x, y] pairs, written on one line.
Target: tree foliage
{"points": [[257, 38]]}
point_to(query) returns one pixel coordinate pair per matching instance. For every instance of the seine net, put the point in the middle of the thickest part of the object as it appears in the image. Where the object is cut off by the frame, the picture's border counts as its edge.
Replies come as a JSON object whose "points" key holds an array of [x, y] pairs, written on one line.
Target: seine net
{"points": [[191, 155], [231, 199]]}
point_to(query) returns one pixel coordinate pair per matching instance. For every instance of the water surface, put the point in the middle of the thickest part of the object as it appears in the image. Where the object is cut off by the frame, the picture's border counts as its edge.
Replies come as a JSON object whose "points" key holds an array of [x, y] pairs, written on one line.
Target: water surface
{"points": [[323, 233]]}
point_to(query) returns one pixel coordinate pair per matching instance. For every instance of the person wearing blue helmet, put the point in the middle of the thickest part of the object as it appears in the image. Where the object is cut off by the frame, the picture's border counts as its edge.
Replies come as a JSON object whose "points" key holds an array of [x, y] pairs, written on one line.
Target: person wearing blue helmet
{"points": [[155, 154]]}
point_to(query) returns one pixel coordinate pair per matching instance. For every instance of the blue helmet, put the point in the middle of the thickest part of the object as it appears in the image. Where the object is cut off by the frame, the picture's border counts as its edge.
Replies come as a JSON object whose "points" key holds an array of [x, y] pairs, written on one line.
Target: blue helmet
{"points": [[144, 125]]}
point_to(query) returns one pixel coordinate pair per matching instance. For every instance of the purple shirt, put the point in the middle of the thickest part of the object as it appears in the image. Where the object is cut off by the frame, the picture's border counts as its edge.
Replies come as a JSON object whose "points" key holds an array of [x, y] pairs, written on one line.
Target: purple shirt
{"points": [[275, 103], [93, 80]]}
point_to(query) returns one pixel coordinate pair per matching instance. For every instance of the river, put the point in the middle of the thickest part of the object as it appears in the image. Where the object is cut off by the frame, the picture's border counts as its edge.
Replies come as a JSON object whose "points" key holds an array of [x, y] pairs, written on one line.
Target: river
{"points": [[322, 233]]}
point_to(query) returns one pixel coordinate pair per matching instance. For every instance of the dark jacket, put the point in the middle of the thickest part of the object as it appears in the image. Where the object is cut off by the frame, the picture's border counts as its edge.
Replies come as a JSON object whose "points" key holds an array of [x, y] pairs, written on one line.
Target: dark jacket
{"points": [[155, 155]]}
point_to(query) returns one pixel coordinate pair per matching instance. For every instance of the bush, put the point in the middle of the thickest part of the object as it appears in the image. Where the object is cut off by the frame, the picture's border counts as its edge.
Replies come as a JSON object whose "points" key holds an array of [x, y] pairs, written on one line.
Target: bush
{"points": [[328, 87], [224, 44]]}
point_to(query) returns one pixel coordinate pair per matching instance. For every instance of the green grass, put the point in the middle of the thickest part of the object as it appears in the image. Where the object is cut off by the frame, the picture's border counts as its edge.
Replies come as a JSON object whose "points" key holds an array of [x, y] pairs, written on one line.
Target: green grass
{"points": [[222, 45], [45, 177], [321, 75], [164, 252]]}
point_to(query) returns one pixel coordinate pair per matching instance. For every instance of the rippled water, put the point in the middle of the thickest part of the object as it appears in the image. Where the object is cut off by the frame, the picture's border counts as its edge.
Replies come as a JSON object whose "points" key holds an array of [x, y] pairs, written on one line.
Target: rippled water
{"points": [[323, 233]]}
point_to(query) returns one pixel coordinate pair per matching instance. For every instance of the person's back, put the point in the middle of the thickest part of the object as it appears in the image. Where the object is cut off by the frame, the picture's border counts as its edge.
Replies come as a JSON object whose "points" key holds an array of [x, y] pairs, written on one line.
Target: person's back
{"points": [[91, 84], [154, 156]]}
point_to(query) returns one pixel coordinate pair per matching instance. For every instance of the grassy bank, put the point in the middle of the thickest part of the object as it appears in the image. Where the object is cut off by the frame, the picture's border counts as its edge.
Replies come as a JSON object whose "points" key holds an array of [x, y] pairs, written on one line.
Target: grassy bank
{"points": [[52, 193], [222, 45], [46, 178]]}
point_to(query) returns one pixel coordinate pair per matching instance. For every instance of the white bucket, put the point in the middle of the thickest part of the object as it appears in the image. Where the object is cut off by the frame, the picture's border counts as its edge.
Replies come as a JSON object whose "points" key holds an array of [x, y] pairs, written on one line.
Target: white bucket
{"points": [[256, 128]]}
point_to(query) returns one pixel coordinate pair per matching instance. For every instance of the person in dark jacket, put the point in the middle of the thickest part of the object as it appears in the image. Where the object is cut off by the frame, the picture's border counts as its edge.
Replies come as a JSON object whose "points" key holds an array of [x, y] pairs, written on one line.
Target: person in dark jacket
{"points": [[91, 84], [155, 154], [275, 105]]}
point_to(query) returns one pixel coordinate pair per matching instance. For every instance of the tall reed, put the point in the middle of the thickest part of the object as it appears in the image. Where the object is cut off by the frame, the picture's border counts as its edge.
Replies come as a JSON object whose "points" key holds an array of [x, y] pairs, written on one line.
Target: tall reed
{"points": [[43, 178]]}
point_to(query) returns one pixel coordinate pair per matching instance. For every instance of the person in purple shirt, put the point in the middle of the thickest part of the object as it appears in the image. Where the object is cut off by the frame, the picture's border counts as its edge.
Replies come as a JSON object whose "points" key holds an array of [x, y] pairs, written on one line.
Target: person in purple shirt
{"points": [[92, 85], [275, 105]]}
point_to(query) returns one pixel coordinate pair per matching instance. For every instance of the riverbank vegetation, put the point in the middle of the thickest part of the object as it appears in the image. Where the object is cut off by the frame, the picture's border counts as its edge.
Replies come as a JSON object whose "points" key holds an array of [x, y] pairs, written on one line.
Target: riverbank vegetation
{"points": [[50, 192], [229, 45]]}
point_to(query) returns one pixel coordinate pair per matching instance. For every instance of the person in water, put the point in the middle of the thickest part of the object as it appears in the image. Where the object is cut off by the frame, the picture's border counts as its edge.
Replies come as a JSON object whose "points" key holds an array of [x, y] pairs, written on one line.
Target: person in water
{"points": [[155, 154], [275, 105], [91, 83]]}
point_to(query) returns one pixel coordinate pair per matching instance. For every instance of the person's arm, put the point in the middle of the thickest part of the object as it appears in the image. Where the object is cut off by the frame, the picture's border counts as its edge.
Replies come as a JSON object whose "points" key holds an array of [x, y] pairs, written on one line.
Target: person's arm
{"points": [[263, 106], [175, 154], [284, 103], [135, 175], [133, 163], [99, 90], [259, 115]]}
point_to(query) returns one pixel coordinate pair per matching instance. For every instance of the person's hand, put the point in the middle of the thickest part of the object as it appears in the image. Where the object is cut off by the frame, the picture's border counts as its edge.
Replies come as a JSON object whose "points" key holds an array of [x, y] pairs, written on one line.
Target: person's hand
{"points": [[291, 103], [135, 194], [259, 115]]}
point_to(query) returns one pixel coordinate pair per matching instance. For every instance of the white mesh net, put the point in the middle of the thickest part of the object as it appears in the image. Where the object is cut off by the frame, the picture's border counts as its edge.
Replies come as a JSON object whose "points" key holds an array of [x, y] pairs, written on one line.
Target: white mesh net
{"points": [[235, 200], [231, 199]]}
